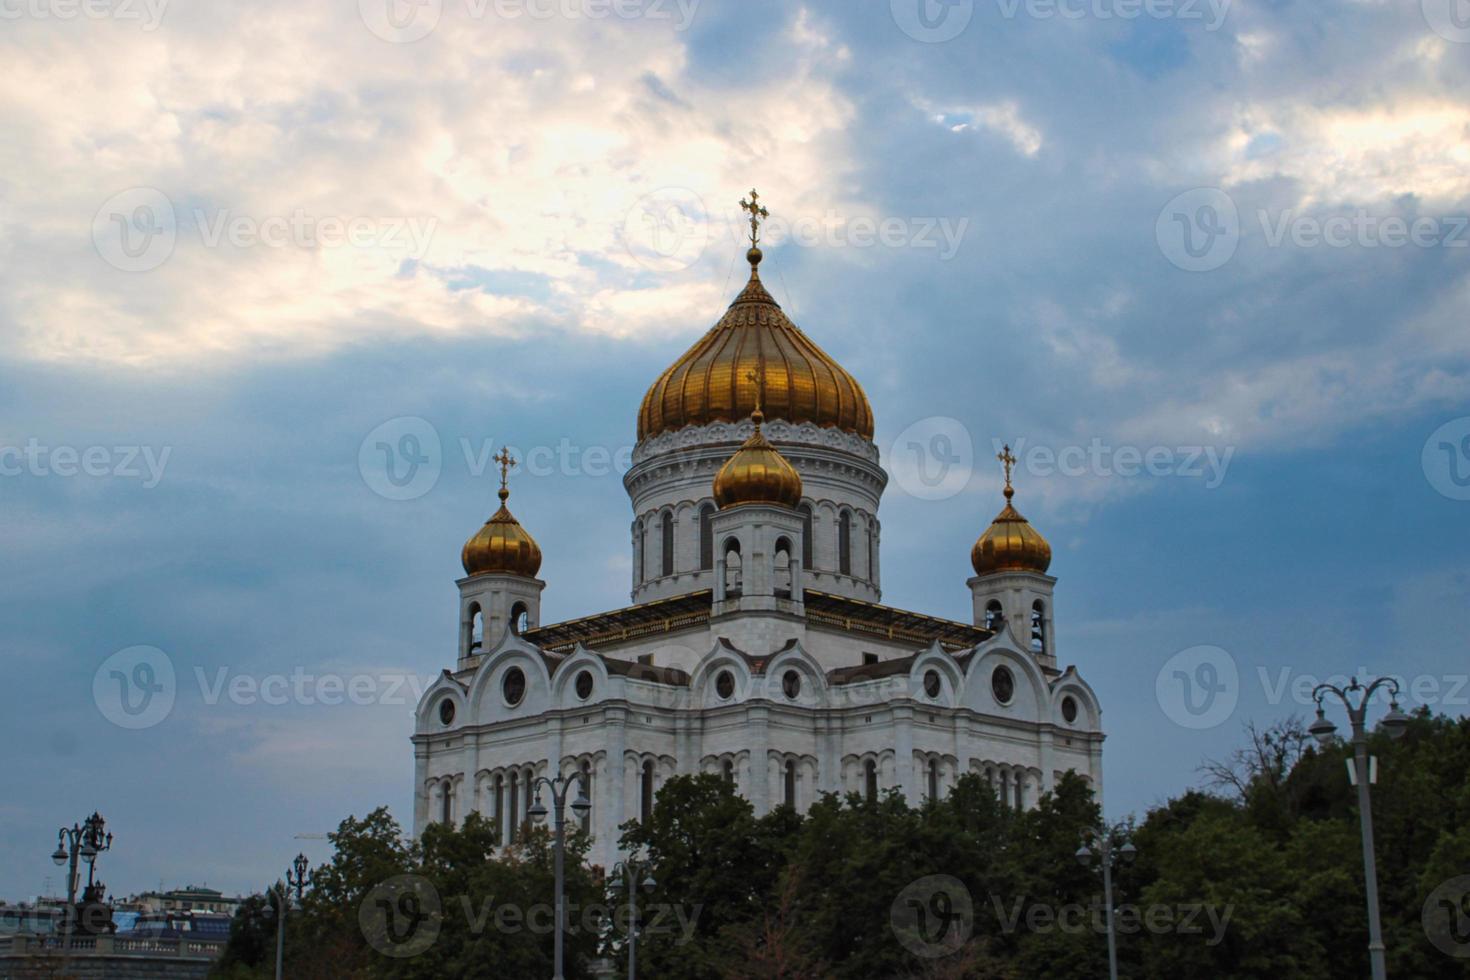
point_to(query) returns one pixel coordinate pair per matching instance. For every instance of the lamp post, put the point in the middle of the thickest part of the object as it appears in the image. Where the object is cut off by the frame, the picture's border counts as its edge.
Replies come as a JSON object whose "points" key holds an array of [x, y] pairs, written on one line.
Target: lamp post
{"points": [[1394, 723], [296, 880], [1101, 849], [559, 787], [84, 841], [630, 875]]}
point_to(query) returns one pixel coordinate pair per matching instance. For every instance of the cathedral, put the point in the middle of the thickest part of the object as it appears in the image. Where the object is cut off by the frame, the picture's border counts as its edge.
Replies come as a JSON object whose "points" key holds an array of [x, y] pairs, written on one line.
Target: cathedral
{"points": [[756, 646]]}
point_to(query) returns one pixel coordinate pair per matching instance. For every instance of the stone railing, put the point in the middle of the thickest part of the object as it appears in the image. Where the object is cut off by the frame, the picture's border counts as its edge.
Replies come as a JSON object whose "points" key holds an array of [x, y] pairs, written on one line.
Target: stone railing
{"points": [[184, 948]]}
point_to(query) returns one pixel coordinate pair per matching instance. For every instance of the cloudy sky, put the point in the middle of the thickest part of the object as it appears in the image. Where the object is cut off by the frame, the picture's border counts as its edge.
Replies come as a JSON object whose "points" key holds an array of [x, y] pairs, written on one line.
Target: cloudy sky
{"points": [[1205, 264]]}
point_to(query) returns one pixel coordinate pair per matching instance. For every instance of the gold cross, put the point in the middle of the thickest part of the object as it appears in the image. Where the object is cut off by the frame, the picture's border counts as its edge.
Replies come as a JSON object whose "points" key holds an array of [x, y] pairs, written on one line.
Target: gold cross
{"points": [[757, 212], [506, 461], [758, 378], [1008, 460]]}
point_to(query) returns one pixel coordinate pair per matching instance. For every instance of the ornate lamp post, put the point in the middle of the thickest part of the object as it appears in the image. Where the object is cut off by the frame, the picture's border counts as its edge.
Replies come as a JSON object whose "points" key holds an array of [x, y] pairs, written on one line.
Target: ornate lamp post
{"points": [[1394, 723], [296, 879], [1101, 849], [630, 875], [84, 841], [559, 787]]}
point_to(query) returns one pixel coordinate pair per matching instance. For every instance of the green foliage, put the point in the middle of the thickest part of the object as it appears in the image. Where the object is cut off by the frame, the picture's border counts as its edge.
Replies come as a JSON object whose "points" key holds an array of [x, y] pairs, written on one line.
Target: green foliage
{"points": [[1264, 883]]}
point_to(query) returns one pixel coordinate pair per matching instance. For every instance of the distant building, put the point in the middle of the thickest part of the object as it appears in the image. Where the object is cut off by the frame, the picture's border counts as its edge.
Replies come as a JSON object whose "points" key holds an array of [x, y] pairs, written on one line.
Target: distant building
{"points": [[193, 898]]}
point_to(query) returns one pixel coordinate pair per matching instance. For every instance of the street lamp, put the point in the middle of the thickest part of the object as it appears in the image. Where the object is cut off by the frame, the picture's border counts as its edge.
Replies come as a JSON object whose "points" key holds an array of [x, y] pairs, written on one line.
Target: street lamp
{"points": [[296, 880], [84, 841], [1395, 723], [1101, 849], [559, 787], [629, 876]]}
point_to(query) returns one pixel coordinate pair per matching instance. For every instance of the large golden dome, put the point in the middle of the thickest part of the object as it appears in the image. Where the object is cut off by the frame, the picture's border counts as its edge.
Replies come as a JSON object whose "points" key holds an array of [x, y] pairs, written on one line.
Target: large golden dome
{"points": [[711, 382], [1010, 543], [757, 474], [502, 545]]}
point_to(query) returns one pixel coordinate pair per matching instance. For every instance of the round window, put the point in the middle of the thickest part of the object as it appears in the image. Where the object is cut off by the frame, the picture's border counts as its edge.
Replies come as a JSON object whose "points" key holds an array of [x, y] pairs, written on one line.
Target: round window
{"points": [[1003, 685], [1069, 708], [584, 685], [446, 711], [932, 684], [791, 684], [514, 686], [725, 685]]}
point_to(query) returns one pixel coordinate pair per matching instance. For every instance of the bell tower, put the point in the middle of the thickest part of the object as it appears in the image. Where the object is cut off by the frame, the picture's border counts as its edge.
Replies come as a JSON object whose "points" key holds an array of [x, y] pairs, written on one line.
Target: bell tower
{"points": [[500, 590], [1011, 589]]}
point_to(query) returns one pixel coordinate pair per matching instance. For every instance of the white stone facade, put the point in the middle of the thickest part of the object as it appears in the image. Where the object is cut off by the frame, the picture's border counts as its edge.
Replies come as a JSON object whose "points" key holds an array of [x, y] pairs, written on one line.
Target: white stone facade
{"points": [[755, 649]]}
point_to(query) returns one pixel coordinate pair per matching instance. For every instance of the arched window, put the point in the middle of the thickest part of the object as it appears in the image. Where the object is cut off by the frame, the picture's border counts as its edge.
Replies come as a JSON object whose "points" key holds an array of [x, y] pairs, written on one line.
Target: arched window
{"points": [[872, 551], [500, 807], [844, 543], [993, 615], [640, 549], [730, 771], [666, 543], [477, 629], [520, 618], [870, 776], [645, 803], [790, 797], [586, 787], [781, 577], [707, 537], [933, 779], [514, 810], [1038, 627], [732, 567], [1020, 792], [448, 814], [805, 510], [1005, 788]]}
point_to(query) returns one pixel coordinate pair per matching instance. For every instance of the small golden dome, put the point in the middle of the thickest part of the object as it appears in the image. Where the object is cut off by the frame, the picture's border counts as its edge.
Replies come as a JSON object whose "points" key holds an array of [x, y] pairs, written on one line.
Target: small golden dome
{"points": [[710, 382], [1010, 543], [757, 474], [502, 545]]}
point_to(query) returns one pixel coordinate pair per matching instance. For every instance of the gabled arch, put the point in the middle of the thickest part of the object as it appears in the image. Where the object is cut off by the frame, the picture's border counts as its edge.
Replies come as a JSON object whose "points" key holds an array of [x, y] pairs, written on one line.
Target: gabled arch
{"points": [[563, 689], [813, 678], [485, 701], [952, 679], [1032, 697], [426, 714], [720, 657]]}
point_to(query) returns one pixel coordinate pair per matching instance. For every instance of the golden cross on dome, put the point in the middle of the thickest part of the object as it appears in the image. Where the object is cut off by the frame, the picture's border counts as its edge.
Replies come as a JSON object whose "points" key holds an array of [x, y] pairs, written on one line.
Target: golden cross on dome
{"points": [[758, 378], [1007, 459], [506, 461], [757, 213]]}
